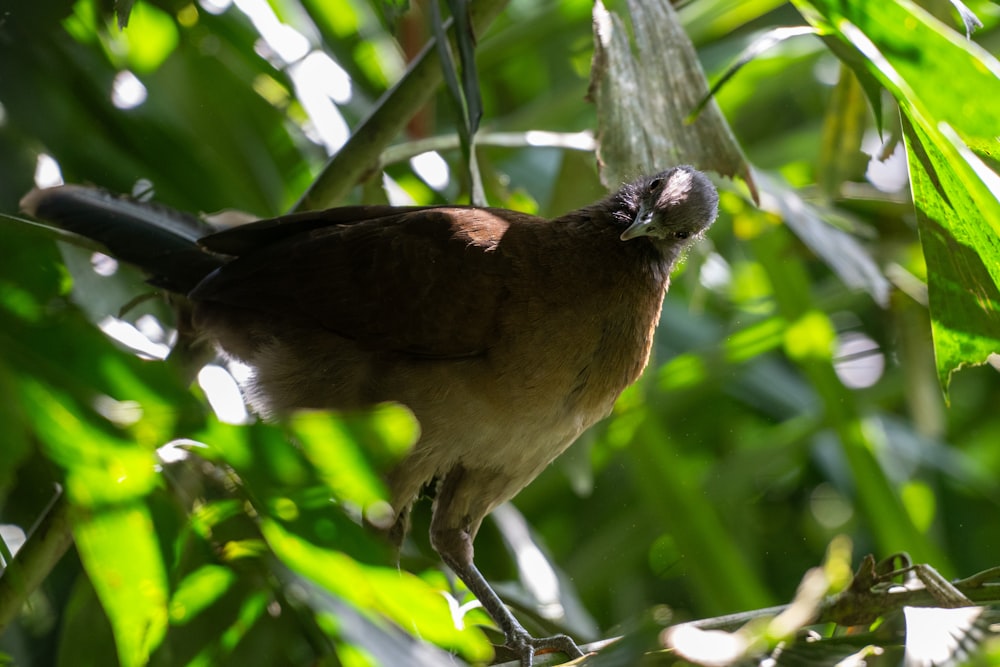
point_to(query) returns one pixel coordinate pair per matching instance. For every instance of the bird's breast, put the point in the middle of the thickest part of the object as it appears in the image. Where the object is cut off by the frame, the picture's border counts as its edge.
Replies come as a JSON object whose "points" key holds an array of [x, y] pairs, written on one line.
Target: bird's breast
{"points": [[581, 350]]}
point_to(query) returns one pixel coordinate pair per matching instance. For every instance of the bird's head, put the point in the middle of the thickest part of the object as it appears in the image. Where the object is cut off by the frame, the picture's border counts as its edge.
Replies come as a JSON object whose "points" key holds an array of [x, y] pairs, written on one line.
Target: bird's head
{"points": [[672, 206]]}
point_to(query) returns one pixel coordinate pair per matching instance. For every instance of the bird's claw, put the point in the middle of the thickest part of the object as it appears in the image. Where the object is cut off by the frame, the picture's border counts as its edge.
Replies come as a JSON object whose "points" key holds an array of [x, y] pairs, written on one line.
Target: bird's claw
{"points": [[525, 646]]}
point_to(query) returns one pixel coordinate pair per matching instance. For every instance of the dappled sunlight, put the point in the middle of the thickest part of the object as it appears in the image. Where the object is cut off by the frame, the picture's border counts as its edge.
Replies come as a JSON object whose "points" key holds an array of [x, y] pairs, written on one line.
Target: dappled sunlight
{"points": [[215, 6], [120, 413], [859, 361], [13, 537], [104, 265], [280, 38], [320, 83], [47, 172], [715, 273], [887, 172], [536, 573], [223, 394], [829, 507], [432, 168], [395, 193], [178, 450], [127, 91], [128, 335]]}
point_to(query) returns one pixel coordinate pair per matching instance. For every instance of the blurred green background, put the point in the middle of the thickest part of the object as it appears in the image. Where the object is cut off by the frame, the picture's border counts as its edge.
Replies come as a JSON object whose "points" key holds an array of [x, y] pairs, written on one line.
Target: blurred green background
{"points": [[792, 396]]}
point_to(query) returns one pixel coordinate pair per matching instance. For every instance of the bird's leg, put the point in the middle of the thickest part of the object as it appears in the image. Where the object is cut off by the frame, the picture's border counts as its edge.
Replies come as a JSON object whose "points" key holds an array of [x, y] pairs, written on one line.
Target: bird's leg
{"points": [[454, 545]]}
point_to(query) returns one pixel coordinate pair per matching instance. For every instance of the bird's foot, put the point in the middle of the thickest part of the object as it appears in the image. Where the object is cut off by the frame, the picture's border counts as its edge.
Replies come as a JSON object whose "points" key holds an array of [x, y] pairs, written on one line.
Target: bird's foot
{"points": [[526, 646]]}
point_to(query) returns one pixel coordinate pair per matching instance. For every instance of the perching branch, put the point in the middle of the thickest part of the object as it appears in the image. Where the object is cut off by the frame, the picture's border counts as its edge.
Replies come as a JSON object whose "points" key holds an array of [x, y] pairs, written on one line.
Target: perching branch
{"points": [[874, 592]]}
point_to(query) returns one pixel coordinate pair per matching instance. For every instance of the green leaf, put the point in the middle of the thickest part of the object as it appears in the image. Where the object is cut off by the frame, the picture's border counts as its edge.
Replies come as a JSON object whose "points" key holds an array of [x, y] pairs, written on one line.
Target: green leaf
{"points": [[948, 89], [810, 337], [399, 596], [963, 295], [107, 480], [346, 448], [840, 156], [198, 591], [150, 38], [119, 550], [101, 469]]}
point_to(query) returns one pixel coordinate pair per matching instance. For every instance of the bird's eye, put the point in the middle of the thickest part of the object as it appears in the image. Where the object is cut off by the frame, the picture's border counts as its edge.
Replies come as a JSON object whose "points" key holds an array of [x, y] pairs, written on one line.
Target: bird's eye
{"points": [[654, 184], [682, 235]]}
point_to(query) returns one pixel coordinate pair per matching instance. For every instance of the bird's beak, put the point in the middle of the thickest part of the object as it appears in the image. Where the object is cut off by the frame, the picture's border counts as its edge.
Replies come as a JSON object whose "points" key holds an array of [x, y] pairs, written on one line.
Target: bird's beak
{"points": [[640, 226]]}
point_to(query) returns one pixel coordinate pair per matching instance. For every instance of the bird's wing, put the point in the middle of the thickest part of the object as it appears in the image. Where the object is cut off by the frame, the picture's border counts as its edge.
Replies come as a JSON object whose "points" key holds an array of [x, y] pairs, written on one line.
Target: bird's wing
{"points": [[242, 239], [424, 282]]}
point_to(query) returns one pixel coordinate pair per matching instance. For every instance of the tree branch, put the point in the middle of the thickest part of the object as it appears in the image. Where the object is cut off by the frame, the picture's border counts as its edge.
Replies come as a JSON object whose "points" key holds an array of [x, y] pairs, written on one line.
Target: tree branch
{"points": [[359, 157], [34, 561]]}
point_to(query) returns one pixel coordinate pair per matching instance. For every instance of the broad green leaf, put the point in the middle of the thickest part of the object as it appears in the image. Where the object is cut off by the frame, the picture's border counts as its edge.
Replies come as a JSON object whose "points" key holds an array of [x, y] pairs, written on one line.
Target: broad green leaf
{"points": [[100, 469], [107, 480], [343, 448], [199, 590], [921, 61], [399, 596], [948, 89], [147, 41], [964, 299], [119, 550]]}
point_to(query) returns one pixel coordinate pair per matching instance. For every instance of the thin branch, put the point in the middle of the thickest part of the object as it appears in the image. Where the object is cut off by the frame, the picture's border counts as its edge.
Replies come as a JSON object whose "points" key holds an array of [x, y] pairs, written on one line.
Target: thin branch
{"points": [[858, 605], [34, 561], [548, 659], [862, 604], [574, 141], [359, 157]]}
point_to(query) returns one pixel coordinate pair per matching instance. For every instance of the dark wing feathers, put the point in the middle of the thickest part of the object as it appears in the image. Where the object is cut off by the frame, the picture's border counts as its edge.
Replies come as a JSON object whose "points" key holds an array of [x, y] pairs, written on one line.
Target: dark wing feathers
{"points": [[242, 239], [424, 282]]}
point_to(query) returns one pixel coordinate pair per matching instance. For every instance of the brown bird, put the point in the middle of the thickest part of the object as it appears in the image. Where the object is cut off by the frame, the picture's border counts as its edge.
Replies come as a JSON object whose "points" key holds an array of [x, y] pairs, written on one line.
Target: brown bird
{"points": [[506, 334]]}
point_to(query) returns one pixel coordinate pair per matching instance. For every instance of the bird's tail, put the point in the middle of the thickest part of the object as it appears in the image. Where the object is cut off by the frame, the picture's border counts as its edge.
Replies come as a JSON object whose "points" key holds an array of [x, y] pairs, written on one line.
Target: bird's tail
{"points": [[160, 241]]}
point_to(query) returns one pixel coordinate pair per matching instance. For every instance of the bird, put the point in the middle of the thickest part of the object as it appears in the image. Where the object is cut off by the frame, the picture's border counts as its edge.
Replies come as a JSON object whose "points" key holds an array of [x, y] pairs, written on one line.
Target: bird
{"points": [[506, 334]]}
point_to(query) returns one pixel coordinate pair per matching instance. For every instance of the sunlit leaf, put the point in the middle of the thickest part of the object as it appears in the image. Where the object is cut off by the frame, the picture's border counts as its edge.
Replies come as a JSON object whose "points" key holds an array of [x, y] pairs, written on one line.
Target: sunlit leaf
{"points": [[396, 595], [964, 299], [119, 550], [148, 40], [338, 459], [197, 591], [810, 337], [947, 88], [100, 468]]}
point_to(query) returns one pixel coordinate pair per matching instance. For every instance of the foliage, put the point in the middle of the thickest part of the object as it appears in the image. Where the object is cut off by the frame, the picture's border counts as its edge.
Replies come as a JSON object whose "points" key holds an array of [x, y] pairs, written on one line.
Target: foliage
{"points": [[793, 396]]}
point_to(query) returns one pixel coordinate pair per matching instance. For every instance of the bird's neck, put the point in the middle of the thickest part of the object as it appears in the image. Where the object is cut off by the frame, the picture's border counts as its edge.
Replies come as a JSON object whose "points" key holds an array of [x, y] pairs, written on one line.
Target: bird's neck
{"points": [[613, 215]]}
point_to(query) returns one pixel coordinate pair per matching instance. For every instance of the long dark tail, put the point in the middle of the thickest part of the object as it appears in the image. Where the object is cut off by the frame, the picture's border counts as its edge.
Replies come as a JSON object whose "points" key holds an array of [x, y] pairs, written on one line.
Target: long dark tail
{"points": [[160, 241]]}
